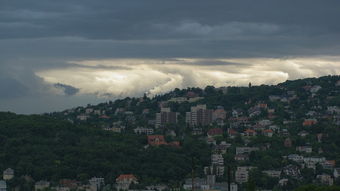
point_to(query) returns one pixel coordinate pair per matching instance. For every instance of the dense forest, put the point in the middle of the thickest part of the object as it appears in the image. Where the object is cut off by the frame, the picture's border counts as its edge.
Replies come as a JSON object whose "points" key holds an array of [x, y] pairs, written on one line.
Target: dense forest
{"points": [[50, 149]]}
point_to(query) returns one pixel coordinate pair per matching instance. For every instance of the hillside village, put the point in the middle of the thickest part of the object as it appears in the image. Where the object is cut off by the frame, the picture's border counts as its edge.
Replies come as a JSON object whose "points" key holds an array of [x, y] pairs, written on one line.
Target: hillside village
{"points": [[264, 137]]}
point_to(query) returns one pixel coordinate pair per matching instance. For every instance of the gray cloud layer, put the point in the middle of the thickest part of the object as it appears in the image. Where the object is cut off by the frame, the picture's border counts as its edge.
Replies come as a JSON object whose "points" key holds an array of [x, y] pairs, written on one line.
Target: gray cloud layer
{"points": [[45, 36]]}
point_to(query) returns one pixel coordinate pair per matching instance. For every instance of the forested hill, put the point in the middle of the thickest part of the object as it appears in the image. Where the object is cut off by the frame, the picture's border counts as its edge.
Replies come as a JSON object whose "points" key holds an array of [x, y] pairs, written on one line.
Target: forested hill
{"points": [[276, 122], [49, 149]]}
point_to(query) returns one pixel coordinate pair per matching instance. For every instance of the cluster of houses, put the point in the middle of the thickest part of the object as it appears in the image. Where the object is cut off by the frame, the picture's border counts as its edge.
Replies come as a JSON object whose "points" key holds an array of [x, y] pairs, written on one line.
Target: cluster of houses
{"points": [[257, 119]]}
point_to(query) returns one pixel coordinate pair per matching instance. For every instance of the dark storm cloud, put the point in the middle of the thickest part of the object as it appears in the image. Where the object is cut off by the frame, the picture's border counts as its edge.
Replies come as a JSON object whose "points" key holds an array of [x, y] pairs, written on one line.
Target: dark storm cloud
{"points": [[67, 89], [41, 35]]}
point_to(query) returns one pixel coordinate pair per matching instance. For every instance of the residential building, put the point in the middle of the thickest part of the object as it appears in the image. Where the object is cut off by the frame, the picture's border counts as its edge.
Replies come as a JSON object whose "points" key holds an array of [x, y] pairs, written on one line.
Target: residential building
{"points": [[199, 184], [124, 181], [3, 185], [41, 185], [305, 149], [199, 116], [166, 116], [96, 183], [217, 159], [8, 174], [245, 150], [156, 140], [143, 130], [272, 173], [215, 132], [309, 122], [295, 157], [268, 132], [336, 173], [242, 174], [249, 133], [325, 179]]}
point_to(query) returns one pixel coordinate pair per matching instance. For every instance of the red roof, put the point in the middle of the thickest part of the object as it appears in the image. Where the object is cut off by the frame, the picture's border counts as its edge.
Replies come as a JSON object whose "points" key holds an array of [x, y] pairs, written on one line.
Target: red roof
{"points": [[250, 131], [215, 131], [126, 176], [156, 140], [232, 132], [104, 117], [268, 131]]}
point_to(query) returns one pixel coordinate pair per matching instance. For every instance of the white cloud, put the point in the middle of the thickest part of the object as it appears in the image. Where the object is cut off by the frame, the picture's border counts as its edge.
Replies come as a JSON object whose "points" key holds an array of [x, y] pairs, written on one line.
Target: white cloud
{"points": [[160, 76]]}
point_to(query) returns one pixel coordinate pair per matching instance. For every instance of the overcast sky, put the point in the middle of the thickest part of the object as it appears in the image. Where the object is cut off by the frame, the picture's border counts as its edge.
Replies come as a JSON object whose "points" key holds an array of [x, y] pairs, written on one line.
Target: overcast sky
{"points": [[60, 54]]}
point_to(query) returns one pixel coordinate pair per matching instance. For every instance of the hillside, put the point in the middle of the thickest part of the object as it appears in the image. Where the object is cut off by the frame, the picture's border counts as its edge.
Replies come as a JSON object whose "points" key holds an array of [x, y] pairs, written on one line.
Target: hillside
{"points": [[280, 136]]}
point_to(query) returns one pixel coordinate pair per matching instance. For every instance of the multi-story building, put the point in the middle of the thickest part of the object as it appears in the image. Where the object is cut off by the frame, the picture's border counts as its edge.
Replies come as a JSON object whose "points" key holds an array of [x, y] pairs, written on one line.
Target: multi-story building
{"points": [[242, 174], [217, 159], [166, 116], [199, 116]]}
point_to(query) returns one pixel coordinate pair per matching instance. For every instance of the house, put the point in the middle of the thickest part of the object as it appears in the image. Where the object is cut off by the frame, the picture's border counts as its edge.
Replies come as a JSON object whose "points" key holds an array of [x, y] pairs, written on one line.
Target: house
{"points": [[305, 149], [241, 157], [292, 171], [232, 133], [336, 172], [143, 130], [329, 164], [265, 122], [268, 132], [3, 185], [41, 185], [82, 117], [8, 174], [199, 184], [303, 133], [249, 133], [88, 110], [114, 129], [295, 157], [215, 132], [71, 184], [272, 173], [156, 140], [283, 182], [96, 183], [247, 150], [314, 159], [325, 179], [309, 122], [237, 113], [124, 181]]}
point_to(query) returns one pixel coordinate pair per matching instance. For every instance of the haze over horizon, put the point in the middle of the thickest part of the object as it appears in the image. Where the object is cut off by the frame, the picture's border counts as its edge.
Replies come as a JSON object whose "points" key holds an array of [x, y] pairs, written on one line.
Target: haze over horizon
{"points": [[60, 54]]}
